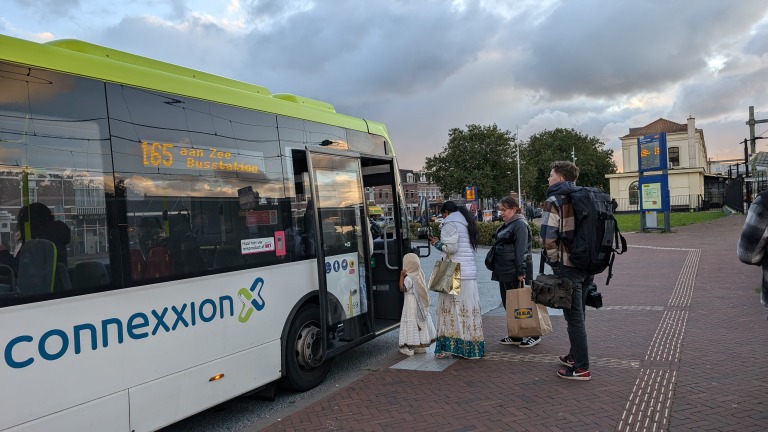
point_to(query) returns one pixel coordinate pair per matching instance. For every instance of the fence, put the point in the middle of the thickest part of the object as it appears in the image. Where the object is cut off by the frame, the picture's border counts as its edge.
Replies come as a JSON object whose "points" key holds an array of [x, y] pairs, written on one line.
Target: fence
{"points": [[676, 203]]}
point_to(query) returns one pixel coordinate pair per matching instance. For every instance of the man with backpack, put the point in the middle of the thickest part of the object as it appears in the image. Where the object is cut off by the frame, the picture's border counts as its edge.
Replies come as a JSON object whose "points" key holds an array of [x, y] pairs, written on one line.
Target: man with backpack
{"points": [[558, 230]]}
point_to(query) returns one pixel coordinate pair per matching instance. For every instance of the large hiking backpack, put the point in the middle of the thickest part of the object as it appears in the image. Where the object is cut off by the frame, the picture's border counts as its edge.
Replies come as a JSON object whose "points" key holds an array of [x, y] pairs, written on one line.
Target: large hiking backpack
{"points": [[597, 238]]}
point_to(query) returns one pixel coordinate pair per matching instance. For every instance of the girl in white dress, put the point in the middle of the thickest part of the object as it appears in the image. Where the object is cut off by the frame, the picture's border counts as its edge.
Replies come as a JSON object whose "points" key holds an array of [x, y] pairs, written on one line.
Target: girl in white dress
{"points": [[417, 332]]}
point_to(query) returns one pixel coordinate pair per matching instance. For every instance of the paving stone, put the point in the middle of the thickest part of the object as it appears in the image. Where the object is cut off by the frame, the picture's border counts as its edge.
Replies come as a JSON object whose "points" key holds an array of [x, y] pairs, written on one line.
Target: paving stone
{"points": [[680, 346]]}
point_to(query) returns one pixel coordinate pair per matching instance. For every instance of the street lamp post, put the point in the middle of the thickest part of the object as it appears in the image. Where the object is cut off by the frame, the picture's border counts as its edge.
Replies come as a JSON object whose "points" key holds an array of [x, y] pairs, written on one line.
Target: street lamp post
{"points": [[748, 184]]}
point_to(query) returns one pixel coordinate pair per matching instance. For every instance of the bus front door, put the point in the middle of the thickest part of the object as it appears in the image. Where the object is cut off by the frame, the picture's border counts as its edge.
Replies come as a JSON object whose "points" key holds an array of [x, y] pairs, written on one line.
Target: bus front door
{"points": [[340, 229]]}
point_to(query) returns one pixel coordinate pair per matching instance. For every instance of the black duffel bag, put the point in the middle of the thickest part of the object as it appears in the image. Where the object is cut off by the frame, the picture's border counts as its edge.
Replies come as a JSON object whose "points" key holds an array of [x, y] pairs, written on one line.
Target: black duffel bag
{"points": [[552, 291]]}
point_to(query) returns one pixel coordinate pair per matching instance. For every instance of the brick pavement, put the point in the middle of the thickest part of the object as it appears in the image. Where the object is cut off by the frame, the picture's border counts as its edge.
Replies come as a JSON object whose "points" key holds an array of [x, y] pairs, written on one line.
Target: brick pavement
{"points": [[680, 345]]}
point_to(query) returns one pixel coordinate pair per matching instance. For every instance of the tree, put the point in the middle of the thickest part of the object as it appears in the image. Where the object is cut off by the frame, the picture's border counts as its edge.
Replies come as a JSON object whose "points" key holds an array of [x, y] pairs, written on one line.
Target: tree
{"points": [[480, 155], [594, 161]]}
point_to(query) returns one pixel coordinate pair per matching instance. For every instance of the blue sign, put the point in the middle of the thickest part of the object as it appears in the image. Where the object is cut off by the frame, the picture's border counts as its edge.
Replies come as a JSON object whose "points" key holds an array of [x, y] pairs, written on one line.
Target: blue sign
{"points": [[654, 193], [652, 152]]}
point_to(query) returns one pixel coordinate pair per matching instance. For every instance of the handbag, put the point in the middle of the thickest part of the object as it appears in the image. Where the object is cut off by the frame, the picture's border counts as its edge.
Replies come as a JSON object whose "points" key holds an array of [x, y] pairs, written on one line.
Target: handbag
{"points": [[552, 291], [490, 263], [445, 277], [524, 317]]}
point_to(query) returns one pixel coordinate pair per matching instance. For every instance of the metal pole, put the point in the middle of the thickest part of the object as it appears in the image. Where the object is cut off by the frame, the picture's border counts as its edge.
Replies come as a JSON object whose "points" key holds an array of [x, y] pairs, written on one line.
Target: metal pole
{"points": [[519, 195]]}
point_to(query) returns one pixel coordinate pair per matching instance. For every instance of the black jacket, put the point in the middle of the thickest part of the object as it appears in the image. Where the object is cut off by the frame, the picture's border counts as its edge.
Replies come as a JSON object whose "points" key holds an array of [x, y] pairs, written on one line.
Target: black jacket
{"points": [[513, 243]]}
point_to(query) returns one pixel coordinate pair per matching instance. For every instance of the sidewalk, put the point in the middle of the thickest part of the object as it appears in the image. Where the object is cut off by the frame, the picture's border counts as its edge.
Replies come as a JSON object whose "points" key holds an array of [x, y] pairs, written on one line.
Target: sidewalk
{"points": [[680, 345]]}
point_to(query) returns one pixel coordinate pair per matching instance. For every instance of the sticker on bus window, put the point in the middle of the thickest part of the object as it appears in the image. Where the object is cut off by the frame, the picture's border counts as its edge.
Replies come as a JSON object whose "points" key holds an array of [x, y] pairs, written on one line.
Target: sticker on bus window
{"points": [[261, 217], [279, 243], [259, 245]]}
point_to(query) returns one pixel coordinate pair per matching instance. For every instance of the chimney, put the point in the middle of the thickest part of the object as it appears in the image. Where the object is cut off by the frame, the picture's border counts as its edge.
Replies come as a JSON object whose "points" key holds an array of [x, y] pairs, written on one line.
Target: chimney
{"points": [[692, 153]]}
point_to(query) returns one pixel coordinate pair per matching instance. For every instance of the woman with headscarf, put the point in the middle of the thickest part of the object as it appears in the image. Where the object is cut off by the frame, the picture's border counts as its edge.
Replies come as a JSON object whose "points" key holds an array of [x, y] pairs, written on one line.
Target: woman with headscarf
{"points": [[459, 319], [416, 329]]}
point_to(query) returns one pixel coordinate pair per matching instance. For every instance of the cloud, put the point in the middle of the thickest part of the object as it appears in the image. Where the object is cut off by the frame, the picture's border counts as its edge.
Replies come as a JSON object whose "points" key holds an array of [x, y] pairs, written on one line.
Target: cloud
{"points": [[425, 67], [604, 49], [196, 43], [47, 9], [403, 48]]}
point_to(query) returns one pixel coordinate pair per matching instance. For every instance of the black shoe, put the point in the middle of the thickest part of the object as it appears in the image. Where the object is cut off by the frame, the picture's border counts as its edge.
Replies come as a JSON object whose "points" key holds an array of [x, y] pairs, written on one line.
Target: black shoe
{"points": [[566, 360], [509, 340], [530, 341]]}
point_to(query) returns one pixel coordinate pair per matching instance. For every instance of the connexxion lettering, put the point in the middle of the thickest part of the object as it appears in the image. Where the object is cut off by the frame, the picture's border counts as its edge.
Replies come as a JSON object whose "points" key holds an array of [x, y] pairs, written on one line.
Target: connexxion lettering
{"points": [[138, 326]]}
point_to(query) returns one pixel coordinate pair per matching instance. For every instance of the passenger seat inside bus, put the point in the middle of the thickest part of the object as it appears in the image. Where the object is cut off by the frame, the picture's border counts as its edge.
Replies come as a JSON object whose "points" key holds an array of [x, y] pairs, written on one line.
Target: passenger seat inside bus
{"points": [[7, 281], [159, 263], [39, 272], [89, 274], [138, 264]]}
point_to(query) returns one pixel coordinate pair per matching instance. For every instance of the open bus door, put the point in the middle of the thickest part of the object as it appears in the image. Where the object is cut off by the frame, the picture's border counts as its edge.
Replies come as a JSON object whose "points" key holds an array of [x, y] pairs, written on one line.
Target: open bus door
{"points": [[341, 233]]}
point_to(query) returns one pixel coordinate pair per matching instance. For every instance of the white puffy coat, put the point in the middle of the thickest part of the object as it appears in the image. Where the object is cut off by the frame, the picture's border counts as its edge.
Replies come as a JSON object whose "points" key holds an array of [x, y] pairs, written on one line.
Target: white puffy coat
{"points": [[455, 236]]}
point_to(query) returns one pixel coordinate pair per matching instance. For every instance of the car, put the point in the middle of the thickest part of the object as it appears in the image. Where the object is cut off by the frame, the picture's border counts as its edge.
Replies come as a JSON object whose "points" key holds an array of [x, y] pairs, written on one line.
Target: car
{"points": [[537, 212], [439, 219], [384, 221]]}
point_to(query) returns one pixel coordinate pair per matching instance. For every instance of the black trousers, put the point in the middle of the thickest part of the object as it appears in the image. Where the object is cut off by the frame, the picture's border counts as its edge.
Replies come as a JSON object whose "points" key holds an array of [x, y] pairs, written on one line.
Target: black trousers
{"points": [[503, 287]]}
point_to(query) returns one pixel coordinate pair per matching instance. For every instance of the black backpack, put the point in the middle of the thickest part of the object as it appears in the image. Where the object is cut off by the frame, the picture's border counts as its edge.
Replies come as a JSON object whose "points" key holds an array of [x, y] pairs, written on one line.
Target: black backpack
{"points": [[597, 239]]}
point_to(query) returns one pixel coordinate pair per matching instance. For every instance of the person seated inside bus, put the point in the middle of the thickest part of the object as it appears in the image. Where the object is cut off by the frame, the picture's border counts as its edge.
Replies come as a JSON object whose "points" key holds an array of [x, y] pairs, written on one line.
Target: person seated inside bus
{"points": [[184, 246], [8, 259], [44, 226], [151, 233]]}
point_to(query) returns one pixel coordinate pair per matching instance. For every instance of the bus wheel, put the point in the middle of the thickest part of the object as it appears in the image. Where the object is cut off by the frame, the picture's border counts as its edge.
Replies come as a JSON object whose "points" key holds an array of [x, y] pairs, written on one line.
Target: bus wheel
{"points": [[304, 364]]}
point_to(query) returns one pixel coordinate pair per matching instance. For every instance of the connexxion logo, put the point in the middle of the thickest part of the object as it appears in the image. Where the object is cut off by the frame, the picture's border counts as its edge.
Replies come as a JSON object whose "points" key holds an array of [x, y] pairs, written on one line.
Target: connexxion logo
{"points": [[55, 343]]}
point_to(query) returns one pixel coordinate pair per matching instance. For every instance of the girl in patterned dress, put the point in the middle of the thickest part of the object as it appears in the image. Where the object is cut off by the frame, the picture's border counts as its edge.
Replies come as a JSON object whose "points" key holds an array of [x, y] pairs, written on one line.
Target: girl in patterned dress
{"points": [[459, 319]]}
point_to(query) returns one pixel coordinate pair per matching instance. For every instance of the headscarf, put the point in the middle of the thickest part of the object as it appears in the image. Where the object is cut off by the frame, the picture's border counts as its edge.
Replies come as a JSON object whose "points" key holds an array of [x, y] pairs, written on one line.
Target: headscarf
{"points": [[412, 267]]}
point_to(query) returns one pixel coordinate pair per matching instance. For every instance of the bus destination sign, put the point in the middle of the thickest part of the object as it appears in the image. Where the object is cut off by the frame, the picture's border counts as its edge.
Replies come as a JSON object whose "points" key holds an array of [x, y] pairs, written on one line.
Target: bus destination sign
{"points": [[156, 154]]}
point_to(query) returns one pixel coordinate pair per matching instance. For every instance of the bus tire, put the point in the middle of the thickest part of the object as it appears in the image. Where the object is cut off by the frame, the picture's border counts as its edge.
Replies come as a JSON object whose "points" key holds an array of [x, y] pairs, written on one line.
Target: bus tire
{"points": [[305, 368]]}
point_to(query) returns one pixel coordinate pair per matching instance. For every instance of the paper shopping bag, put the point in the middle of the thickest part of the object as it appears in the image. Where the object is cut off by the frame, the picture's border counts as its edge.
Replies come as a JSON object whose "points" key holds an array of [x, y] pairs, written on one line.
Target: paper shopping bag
{"points": [[524, 317]]}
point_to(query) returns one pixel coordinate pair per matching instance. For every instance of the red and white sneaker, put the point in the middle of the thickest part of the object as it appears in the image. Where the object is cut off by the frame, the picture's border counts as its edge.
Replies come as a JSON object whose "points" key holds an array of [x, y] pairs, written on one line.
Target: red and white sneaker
{"points": [[574, 373], [566, 360]]}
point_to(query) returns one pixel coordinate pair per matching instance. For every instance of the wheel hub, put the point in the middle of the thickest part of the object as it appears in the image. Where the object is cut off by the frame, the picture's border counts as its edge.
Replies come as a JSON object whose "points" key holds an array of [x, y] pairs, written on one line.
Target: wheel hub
{"points": [[309, 347]]}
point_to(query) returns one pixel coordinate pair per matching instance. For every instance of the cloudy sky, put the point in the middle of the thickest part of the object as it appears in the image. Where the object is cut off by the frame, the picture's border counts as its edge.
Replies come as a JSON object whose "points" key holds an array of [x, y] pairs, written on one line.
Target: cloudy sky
{"points": [[426, 66]]}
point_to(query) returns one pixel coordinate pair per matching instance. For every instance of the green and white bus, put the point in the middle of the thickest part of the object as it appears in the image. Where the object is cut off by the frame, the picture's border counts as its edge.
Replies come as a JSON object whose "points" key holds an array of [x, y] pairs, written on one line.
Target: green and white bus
{"points": [[171, 239]]}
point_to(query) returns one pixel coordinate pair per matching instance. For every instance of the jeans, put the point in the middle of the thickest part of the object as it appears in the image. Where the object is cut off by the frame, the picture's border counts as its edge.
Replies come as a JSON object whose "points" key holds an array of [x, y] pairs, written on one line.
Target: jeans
{"points": [[574, 317]]}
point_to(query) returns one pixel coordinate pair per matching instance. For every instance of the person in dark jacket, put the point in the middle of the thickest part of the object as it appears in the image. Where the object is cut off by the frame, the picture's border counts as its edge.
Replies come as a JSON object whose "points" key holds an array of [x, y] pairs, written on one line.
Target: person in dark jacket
{"points": [[513, 266], [558, 229], [529, 213], [44, 226], [752, 247]]}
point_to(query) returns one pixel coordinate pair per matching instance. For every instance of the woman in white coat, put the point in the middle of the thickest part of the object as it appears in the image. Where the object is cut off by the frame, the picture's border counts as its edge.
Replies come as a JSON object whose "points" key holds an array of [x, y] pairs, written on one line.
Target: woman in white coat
{"points": [[459, 320]]}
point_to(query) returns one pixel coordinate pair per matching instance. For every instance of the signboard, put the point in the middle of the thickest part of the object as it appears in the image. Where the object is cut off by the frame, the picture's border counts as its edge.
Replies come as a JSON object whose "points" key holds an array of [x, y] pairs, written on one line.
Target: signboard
{"points": [[344, 283], [471, 193], [651, 195], [182, 156], [654, 193], [652, 152]]}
